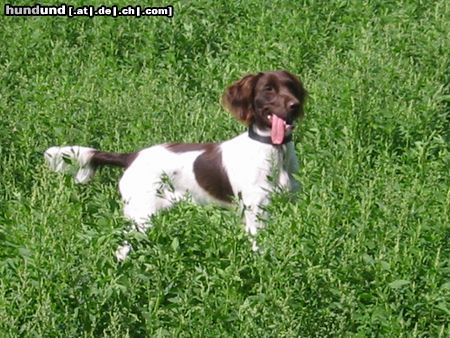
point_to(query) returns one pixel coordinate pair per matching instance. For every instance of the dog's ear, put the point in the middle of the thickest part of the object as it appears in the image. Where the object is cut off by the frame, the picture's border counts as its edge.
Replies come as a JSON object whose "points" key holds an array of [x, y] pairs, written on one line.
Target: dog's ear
{"points": [[239, 97]]}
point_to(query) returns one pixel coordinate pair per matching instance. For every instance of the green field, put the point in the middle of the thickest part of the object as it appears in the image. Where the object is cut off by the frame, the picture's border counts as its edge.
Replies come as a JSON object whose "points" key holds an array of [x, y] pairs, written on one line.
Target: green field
{"points": [[363, 252]]}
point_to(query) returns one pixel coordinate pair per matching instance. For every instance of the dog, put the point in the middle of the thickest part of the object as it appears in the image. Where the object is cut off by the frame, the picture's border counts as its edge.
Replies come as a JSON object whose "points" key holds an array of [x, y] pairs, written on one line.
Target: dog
{"points": [[246, 168]]}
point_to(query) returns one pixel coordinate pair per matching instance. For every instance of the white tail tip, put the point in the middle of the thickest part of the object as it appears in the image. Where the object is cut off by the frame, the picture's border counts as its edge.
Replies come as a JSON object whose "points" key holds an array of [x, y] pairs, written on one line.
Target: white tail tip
{"points": [[72, 159]]}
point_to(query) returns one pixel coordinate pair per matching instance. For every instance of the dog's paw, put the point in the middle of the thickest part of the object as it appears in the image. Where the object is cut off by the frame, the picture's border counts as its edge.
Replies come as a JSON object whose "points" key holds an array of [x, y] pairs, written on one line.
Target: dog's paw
{"points": [[123, 251], [255, 246]]}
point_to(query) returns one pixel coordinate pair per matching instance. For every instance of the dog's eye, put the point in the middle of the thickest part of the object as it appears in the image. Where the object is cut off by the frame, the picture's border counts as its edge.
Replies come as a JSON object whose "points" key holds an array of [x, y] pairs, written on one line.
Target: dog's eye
{"points": [[268, 88]]}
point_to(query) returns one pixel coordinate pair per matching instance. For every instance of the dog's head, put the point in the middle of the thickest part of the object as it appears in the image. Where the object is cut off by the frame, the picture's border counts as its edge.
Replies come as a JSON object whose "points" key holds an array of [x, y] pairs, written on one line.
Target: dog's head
{"points": [[257, 99]]}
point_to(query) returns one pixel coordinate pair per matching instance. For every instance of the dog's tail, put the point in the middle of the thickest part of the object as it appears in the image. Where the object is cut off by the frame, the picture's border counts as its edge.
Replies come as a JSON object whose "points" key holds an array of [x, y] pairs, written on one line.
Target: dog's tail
{"points": [[82, 161]]}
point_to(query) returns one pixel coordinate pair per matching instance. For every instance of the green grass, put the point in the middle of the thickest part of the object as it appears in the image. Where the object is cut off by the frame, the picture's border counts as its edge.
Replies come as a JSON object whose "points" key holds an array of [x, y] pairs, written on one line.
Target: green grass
{"points": [[363, 252]]}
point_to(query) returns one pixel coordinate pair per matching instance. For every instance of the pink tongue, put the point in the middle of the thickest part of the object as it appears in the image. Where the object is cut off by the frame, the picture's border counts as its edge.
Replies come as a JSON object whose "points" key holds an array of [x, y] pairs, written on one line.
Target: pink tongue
{"points": [[278, 127]]}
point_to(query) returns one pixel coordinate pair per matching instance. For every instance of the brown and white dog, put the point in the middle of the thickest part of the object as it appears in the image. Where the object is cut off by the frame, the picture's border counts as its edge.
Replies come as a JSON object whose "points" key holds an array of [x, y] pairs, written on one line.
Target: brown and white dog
{"points": [[247, 168]]}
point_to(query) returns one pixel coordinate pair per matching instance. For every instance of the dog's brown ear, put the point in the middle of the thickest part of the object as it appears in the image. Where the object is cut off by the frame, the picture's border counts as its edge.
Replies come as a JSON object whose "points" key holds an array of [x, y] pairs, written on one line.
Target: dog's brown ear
{"points": [[238, 98]]}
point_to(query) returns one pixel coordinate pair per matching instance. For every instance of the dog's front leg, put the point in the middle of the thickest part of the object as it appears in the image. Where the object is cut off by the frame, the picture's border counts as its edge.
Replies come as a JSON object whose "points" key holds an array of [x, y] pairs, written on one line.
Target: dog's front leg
{"points": [[254, 214], [292, 167], [252, 224]]}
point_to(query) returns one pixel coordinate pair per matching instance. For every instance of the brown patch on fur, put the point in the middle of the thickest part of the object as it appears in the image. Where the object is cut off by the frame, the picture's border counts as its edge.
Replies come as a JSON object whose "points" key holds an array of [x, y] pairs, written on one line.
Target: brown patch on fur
{"points": [[100, 158], [211, 175], [208, 168]]}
